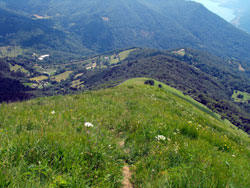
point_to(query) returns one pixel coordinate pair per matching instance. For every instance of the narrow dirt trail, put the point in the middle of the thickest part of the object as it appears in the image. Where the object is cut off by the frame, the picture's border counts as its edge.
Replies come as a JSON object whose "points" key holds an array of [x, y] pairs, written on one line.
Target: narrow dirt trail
{"points": [[127, 176], [125, 170]]}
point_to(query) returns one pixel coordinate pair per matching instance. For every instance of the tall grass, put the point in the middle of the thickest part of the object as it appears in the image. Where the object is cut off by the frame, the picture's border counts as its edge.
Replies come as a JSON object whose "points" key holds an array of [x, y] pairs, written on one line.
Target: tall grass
{"points": [[44, 142]]}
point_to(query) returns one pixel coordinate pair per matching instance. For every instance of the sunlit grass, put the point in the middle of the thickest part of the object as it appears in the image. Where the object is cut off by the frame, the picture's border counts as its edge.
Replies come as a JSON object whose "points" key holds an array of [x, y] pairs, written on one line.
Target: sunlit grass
{"points": [[45, 141], [62, 76], [16, 68], [121, 56], [39, 78], [245, 96]]}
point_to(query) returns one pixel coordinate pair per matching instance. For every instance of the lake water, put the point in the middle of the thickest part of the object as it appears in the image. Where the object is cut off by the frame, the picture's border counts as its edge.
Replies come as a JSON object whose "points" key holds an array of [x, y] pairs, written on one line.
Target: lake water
{"points": [[226, 13]]}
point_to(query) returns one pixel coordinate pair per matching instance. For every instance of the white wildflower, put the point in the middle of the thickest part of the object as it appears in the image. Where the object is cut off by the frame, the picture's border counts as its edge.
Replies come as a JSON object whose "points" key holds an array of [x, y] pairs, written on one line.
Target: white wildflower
{"points": [[160, 137], [199, 125], [87, 124], [176, 147], [53, 112], [233, 156]]}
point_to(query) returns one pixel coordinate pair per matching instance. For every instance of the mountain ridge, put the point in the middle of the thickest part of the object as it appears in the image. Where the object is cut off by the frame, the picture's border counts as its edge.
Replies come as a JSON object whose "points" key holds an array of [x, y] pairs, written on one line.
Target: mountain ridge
{"points": [[102, 26]]}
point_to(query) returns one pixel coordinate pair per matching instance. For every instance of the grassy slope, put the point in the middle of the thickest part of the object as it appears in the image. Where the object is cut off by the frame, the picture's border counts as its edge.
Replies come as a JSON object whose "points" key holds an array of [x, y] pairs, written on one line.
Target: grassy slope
{"points": [[16, 68], [39, 78], [8, 51], [122, 55], [62, 76], [42, 149], [246, 96]]}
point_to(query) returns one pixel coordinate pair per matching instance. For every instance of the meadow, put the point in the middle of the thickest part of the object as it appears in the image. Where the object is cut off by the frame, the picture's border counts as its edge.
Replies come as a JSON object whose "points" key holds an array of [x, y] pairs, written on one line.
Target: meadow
{"points": [[165, 138], [245, 97]]}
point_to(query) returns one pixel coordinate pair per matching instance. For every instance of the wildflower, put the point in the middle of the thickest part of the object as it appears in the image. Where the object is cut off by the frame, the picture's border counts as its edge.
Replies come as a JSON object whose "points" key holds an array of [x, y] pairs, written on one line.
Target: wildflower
{"points": [[87, 124], [53, 112], [199, 125], [160, 137], [189, 122], [233, 156], [176, 147], [174, 133]]}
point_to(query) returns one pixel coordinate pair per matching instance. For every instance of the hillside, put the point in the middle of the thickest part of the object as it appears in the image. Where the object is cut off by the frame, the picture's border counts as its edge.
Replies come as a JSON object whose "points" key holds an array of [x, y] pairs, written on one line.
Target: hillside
{"points": [[23, 36], [99, 26], [208, 79], [214, 81], [11, 83], [156, 135]]}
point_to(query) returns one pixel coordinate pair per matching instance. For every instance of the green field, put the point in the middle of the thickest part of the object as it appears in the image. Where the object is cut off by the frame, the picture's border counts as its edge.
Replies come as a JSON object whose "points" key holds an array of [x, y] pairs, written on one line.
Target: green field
{"points": [[245, 97], [39, 78], [164, 138], [120, 57], [16, 68], [10, 51], [77, 84], [62, 76]]}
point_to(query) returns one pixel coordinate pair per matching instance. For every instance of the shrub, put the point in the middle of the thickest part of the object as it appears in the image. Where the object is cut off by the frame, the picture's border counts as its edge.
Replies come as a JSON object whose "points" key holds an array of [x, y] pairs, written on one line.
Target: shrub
{"points": [[240, 96], [150, 82]]}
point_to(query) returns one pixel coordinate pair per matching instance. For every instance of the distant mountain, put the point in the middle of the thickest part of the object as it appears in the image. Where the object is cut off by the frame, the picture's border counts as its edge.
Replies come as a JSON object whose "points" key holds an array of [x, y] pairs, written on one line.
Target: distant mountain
{"points": [[106, 25], [235, 11], [37, 36]]}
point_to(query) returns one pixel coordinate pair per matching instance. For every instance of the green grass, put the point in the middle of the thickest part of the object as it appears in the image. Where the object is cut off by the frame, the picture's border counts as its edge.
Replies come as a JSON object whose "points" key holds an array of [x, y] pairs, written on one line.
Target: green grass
{"points": [[39, 78], [10, 51], [77, 84], [28, 84], [246, 96], [122, 55], [44, 149], [16, 68], [62, 76]]}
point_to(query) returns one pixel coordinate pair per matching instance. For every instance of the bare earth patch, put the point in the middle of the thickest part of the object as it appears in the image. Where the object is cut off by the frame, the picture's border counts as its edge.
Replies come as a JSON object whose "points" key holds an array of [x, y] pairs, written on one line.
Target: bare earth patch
{"points": [[127, 176], [241, 68]]}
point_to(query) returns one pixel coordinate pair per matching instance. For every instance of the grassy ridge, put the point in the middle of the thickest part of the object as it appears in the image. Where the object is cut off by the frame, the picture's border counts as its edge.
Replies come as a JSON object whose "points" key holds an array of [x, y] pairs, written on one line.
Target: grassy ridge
{"points": [[44, 142]]}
